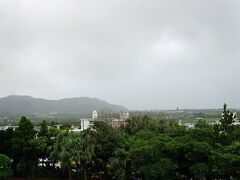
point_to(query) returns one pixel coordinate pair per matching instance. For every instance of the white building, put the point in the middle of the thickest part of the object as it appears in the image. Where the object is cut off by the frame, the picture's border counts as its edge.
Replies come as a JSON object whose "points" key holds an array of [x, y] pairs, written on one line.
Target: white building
{"points": [[88, 123], [94, 115]]}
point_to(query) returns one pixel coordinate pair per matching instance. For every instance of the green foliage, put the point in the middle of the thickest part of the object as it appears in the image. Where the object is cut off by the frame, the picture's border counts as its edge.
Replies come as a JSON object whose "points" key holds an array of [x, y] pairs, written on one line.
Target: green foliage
{"points": [[226, 160], [25, 130], [53, 132], [138, 123], [226, 122], [107, 139], [6, 141], [117, 164], [43, 129], [146, 152], [22, 152], [199, 170], [38, 146], [145, 148], [225, 127], [73, 150], [202, 124], [5, 169]]}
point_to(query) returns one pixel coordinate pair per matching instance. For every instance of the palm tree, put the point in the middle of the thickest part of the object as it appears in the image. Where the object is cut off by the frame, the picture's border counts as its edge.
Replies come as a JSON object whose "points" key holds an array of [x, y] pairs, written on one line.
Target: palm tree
{"points": [[62, 151], [72, 150], [83, 151]]}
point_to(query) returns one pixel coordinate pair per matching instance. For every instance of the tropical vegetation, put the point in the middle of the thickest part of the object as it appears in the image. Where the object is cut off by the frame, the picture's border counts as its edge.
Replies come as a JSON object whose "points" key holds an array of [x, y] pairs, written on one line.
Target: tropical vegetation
{"points": [[145, 148]]}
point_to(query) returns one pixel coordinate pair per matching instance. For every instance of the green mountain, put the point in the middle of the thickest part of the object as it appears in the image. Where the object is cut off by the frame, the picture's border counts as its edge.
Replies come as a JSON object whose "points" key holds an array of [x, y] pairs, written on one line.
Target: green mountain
{"points": [[19, 105]]}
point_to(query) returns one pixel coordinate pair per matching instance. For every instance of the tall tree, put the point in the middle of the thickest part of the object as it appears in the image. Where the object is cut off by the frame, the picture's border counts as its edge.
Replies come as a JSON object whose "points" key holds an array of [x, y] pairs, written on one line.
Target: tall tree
{"points": [[43, 129], [73, 150], [225, 126], [25, 130], [107, 141], [227, 120], [83, 151], [21, 149]]}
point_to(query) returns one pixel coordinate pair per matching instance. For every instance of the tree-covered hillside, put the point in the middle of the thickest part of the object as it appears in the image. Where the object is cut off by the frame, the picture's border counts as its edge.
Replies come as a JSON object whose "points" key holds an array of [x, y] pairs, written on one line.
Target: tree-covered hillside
{"points": [[26, 105]]}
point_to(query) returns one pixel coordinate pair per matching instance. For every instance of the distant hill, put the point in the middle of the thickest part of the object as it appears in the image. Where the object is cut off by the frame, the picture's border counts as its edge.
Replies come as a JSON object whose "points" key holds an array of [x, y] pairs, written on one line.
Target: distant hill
{"points": [[25, 105]]}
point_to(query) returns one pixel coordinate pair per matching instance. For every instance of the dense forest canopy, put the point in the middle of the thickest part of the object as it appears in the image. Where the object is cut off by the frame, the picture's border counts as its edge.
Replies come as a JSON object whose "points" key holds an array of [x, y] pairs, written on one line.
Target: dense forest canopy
{"points": [[145, 148]]}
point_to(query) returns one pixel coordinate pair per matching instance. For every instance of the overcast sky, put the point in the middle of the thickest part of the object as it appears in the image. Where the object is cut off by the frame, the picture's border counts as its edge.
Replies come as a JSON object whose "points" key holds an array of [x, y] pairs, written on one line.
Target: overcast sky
{"points": [[142, 54]]}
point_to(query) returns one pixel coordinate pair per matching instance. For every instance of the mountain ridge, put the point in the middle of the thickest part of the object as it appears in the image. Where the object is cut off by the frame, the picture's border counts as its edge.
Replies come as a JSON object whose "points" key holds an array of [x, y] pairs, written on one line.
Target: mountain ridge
{"points": [[18, 105]]}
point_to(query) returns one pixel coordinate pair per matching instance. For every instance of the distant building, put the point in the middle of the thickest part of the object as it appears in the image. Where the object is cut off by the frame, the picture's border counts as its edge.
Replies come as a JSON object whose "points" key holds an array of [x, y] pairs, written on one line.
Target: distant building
{"points": [[236, 121], [189, 125], [117, 123], [4, 127], [53, 112], [116, 120], [94, 115], [88, 122], [75, 129]]}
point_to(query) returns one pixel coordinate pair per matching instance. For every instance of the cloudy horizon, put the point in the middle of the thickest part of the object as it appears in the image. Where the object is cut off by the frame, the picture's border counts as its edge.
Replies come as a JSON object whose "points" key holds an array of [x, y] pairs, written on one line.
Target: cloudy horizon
{"points": [[139, 54]]}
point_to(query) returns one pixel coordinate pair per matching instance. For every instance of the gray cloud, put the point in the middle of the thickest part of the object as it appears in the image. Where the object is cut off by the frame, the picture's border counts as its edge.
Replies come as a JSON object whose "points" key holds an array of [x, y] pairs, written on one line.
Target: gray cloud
{"points": [[141, 54]]}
